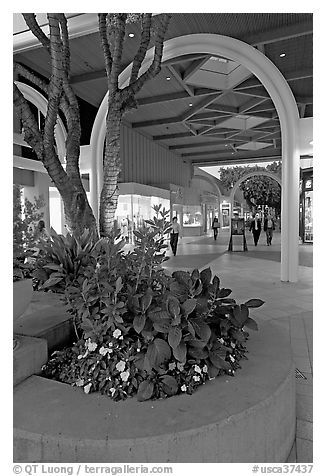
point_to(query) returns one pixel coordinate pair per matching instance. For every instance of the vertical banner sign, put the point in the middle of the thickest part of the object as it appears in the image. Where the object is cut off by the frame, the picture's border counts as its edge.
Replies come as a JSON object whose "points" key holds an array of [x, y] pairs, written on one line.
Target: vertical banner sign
{"points": [[238, 229]]}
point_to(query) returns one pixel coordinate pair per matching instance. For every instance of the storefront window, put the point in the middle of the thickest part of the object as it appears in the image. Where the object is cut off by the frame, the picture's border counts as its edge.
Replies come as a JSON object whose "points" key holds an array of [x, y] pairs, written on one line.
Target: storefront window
{"points": [[225, 215], [308, 228], [133, 210], [192, 216]]}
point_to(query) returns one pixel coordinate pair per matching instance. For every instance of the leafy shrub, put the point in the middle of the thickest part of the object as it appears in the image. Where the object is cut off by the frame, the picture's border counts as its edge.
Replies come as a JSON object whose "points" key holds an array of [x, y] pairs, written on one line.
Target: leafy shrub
{"points": [[140, 330]]}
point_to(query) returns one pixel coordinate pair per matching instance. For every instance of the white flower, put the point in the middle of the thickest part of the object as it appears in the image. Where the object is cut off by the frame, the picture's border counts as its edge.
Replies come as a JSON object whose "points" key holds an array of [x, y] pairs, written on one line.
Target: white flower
{"points": [[183, 388], [109, 352], [172, 366], [232, 358], [197, 369], [80, 382], [180, 366], [121, 366], [125, 375], [196, 378], [221, 340], [87, 388], [112, 391], [103, 350], [121, 338], [117, 333], [138, 350], [110, 344], [205, 369], [91, 346], [232, 345]]}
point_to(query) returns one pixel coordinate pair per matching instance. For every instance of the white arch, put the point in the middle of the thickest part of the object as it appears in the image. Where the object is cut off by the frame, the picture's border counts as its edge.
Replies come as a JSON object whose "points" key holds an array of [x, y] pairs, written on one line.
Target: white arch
{"points": [[287, 110], [36, 98], [247, 175], [211, 182]]}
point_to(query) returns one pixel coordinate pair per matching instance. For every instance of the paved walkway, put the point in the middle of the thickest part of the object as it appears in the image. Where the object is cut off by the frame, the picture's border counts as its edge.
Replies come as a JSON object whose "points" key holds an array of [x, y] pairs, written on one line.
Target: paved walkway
{"points": [[256, 273]]}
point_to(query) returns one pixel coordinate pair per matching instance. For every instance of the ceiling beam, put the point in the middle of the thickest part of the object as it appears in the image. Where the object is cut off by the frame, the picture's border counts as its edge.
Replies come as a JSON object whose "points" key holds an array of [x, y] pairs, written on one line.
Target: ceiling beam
{"points": [[223, 108], [195, 65], [269, 153], [233, 159], [209, 115], [178, 135], [258, 91], [289, 76], [281, 33], [156, 122], [202, 144], [89, 76], [177, 76], [200, 105], [250, 104], [174, 96], [256, 153]]}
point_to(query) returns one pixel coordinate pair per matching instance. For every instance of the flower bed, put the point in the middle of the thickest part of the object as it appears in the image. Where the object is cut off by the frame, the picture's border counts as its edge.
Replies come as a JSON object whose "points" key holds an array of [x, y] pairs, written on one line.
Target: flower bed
{"points": [[139, 330]]}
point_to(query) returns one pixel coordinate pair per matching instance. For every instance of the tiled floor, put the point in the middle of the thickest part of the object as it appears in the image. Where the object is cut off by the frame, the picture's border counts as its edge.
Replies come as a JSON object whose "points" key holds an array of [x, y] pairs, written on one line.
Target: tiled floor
{"points": [[257, 274]]}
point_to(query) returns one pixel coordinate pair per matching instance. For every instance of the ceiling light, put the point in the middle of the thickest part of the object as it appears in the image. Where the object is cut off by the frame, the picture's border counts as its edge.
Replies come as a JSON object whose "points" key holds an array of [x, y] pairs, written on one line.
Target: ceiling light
{"points": [[190, 104], [282, 55], [168, 78], [131, 35]]}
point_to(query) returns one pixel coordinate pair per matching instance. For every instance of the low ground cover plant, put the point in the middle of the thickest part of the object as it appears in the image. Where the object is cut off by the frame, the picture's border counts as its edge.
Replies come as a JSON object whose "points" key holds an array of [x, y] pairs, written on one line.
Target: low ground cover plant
{"points": [[139, 330]]}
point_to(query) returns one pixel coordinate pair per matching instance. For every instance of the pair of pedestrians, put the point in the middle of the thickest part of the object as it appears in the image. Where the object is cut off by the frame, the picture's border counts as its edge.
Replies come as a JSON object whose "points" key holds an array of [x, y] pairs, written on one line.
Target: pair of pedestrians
{"points": [[269, 227]]}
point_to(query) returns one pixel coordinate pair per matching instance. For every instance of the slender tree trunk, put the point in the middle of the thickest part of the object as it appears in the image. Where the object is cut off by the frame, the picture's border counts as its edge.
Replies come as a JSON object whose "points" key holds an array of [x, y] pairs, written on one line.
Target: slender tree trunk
{"points": [[111, 167]]}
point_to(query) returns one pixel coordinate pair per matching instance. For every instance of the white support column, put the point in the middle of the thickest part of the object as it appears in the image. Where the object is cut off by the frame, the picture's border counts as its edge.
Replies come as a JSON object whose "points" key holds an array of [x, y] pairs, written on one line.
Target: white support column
{"points": [[290, 204]]}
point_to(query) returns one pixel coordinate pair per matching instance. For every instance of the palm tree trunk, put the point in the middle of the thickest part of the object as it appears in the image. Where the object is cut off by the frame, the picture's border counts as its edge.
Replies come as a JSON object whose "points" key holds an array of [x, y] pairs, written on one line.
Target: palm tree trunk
{"points": [[111, 168]]}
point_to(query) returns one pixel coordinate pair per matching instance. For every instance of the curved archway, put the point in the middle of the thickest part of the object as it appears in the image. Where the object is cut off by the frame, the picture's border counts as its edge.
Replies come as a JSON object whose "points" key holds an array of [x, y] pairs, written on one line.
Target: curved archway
{"points": [[247, 175], [287, 110], [211, 182], [36, 98]]}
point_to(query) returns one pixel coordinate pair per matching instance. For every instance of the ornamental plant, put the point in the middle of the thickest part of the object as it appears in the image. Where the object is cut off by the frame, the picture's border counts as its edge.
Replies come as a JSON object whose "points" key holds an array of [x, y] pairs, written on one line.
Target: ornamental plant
{"points": [[139, 330]]}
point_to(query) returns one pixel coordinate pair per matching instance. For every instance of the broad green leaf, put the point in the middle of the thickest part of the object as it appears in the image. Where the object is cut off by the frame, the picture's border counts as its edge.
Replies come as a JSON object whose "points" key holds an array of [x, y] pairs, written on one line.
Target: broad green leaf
{"points": [[145, 302], [170, 385], [182, 277], [197, 353], [139, 322], [201, 328], [158, 352], [206, 276], [51, 282], [118, 285], [180, 352], [254, 303], [195, 275], [158, 316], [179, 290], [251, 324], [223, 293], [218, 362], [174, 337], [173, 306], [53, 267], [188, 306], [145, 390], [162, 326]]}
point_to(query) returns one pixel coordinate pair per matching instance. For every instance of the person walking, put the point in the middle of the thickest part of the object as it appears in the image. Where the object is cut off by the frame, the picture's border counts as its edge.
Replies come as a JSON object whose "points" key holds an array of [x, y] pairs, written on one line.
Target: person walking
{"points": [[255, 227], [269, 227], [215, 226], [174, 235]]}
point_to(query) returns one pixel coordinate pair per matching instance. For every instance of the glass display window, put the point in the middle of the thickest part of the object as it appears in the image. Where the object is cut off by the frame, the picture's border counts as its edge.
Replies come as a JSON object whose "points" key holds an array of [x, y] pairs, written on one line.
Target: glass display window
{"points": [[192, 216], [308, 217]]}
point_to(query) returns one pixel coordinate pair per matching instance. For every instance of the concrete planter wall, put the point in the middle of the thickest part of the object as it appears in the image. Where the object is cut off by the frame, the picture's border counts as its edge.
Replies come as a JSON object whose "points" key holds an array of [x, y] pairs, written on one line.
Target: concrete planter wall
{"points": [[246, 419], [22, 295]]}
